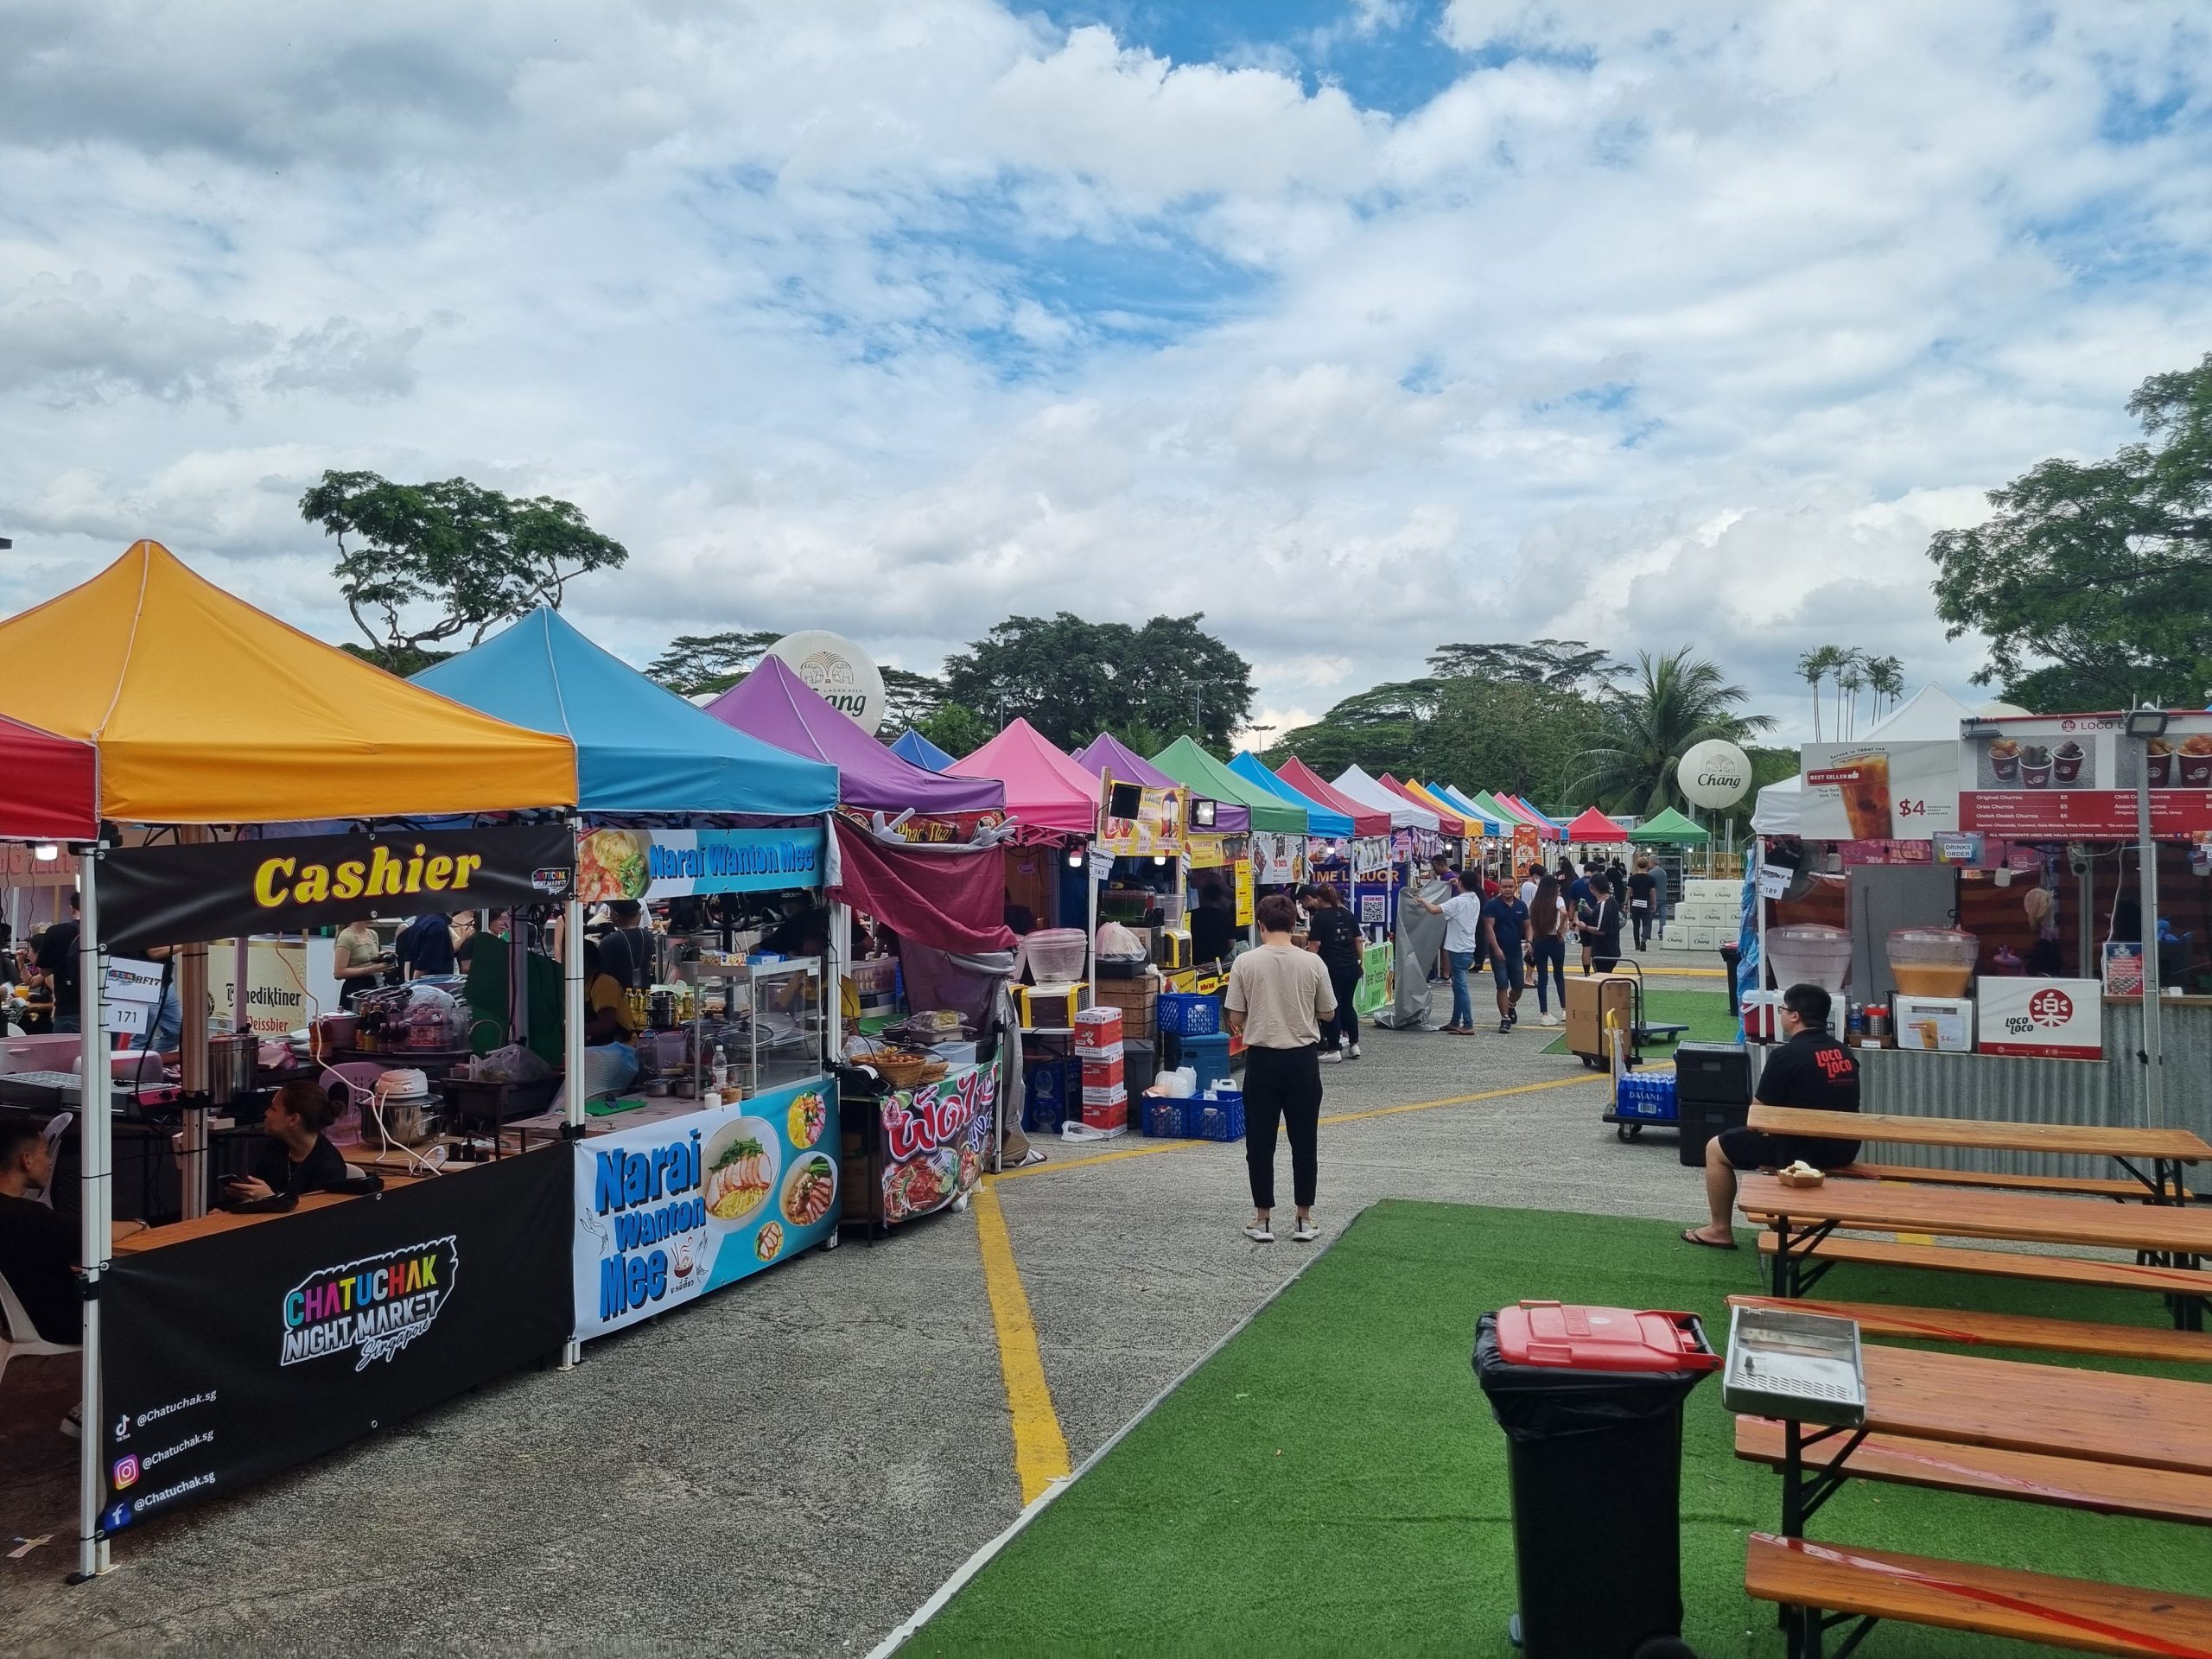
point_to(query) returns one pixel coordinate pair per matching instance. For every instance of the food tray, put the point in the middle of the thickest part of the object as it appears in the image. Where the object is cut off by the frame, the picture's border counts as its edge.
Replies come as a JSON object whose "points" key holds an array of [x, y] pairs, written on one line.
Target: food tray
{"points": [[1805, 1367]]}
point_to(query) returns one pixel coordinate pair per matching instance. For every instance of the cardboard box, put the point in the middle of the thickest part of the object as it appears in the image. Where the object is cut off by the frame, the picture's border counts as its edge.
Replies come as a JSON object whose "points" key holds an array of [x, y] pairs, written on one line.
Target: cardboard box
{"points": [[1103, 1072], [2049, 1019], [1110, 1110], [1592, 1001], [1098, 1030], [1936, 1022]]}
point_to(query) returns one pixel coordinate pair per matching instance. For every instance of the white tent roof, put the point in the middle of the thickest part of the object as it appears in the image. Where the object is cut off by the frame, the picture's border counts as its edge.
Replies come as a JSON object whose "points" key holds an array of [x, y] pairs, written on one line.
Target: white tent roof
{"points": [[1930, 715], [1404, 814]]}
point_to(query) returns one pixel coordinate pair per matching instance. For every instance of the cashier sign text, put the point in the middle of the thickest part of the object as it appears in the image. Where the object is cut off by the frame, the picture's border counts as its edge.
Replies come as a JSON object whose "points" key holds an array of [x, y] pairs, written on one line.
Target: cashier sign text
{"points": [[284, 880]]}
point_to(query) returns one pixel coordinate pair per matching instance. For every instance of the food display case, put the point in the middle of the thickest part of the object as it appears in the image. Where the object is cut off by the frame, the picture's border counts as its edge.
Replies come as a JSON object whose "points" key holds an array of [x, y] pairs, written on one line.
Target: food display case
{"points": [[766, 1017]]}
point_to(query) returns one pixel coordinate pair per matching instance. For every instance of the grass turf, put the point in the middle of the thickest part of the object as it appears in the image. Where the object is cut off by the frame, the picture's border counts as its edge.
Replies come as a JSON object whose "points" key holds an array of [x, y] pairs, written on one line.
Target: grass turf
{"points": [[1331, 1482], [1706, 1013]]}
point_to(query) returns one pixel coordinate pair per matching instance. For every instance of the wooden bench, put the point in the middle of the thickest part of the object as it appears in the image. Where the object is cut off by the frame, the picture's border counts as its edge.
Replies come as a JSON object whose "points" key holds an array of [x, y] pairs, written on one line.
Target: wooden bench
{"points": [[2087, 1186], [2003, 1264], [1975, 1329], [1875, 1584], [2024, 1477]]}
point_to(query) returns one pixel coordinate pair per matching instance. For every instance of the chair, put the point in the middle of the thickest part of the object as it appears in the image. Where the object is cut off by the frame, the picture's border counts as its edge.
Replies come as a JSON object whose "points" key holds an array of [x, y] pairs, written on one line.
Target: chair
{"points": [[22, 1337], [56, 1127]]}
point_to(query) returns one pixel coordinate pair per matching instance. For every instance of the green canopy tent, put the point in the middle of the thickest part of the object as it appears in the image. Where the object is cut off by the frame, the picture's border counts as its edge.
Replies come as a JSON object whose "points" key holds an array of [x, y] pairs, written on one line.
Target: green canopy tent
{"points": [[1669, 828], [1192, 767]]}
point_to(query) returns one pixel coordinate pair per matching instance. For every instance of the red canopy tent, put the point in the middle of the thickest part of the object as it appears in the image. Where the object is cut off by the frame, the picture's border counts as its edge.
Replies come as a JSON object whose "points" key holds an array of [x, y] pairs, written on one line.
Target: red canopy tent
{"points": [[1447, 821], [48, 785], [1593, 825], [1365, 820]]}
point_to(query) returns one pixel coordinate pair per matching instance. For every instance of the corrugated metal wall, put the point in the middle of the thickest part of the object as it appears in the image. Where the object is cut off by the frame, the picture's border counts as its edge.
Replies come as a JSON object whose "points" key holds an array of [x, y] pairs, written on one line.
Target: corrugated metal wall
{"points": [[2108, 1091]]}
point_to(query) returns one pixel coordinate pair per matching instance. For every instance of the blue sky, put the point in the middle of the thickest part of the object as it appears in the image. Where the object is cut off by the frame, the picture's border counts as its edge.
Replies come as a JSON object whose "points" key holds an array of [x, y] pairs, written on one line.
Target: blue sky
{"points": [[1360, 327]]}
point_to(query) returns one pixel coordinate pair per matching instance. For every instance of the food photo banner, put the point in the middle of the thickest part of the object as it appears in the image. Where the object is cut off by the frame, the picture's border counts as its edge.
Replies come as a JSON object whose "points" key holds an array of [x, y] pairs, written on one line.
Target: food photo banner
{"points": [[1139, 822], [1278, 860], [668, 1211], [935, 1139], [653, 864], [2073, 776], [221, 890], [1879, 792], [227, 1359]]}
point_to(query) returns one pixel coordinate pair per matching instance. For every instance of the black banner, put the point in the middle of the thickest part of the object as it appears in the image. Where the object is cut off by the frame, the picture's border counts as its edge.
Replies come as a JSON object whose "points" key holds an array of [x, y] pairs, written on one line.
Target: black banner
{"points": [[229, 1358], [224, 890]]}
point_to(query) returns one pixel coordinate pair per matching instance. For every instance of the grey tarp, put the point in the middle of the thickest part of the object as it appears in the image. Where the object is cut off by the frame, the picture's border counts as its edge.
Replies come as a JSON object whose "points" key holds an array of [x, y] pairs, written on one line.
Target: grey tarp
{"points": [[1420, 938]]}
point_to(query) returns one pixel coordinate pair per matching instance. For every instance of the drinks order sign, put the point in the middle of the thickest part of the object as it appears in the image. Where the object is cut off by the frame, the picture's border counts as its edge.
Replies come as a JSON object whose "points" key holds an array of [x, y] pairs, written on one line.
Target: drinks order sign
{"points": [[2073, 776], [1880, 791]]}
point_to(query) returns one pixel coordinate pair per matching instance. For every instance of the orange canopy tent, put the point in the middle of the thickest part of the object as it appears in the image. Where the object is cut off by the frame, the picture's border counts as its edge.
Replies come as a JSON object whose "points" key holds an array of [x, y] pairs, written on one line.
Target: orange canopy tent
{"points": [[205, 710]]}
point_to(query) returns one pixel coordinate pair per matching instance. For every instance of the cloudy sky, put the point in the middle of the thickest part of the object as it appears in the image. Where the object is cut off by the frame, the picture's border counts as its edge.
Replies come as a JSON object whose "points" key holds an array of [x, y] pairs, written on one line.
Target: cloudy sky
{"points": [[1359, 325]]}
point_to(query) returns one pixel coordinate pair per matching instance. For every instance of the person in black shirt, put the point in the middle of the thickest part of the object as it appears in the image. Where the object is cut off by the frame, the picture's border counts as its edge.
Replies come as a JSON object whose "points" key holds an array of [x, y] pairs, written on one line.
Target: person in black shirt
{"points": [[1642, 905], [1332, 933], [1213, 924], [1601, 925], [38, 1250], [297, 1159], [57, 960], [1810, 1070]]}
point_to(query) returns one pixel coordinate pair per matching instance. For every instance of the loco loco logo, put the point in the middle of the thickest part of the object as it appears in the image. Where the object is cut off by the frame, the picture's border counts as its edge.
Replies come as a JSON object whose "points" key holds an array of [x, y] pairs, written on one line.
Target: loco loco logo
{"points": [[372, 1308], [2051, 1008]]}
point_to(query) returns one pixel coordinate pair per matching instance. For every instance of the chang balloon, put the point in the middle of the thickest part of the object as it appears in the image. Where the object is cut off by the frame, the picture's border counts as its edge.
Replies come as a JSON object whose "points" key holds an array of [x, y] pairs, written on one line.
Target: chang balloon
{"points": [[842, 674], [1715, 773]]}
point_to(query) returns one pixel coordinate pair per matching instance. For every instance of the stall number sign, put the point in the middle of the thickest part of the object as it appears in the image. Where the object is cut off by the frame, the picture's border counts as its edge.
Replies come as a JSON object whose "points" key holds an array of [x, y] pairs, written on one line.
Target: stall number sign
{"points": [[2048, 1019], [130, 995]]}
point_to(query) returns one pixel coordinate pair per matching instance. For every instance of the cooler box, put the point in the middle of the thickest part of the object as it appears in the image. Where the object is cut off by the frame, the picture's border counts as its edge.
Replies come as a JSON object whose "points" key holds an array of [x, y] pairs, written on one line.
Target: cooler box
{"points": [[1591, 1002], [1138, 1065], [1713, 1092], [1209, 1057], [1048, 1007]]}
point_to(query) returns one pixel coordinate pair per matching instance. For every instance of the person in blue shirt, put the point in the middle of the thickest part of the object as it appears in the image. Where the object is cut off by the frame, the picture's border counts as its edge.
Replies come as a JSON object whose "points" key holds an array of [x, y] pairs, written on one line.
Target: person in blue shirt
{"points": [[1505, 932]]}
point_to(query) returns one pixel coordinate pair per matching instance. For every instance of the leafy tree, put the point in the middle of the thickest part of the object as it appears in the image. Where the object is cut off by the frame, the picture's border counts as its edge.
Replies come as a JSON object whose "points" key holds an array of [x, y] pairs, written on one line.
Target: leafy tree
{"points": [[1812, 667], [696, 664], [1676, 700], [908, 699], [448, 561], [2093, 581], [1565, 664], [1885, 679], [1379, 729], [956, 728], [1072, 678]]}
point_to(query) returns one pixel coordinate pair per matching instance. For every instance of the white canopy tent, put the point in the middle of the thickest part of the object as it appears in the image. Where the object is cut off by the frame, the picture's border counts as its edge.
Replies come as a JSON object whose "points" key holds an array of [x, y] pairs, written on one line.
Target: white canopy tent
{"points": [[1404, 814], [1930, 715]]}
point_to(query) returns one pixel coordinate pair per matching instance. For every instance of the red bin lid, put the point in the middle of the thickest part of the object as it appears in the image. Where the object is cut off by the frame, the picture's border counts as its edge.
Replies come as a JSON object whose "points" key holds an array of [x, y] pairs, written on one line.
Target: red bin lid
{"points": [[1602, 1339]]}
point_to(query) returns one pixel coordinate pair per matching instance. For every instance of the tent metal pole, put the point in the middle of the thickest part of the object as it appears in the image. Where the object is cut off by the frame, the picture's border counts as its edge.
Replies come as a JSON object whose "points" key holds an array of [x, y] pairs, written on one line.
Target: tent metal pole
{"points": [[241, 970], [191, 992], [96, 1198], [2146, 863], [572, 1028]]}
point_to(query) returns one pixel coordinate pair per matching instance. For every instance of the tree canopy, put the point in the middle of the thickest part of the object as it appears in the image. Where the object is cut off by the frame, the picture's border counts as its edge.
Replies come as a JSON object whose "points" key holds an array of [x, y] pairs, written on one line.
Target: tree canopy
{"points": [[698, 663], [421, 565], [1676, 700], [1072, 678], [2093, 581]]}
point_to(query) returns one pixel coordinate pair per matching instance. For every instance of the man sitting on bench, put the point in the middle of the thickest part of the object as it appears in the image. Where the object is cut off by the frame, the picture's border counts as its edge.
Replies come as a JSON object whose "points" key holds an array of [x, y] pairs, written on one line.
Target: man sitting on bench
{"points": [[1810, 1070]]}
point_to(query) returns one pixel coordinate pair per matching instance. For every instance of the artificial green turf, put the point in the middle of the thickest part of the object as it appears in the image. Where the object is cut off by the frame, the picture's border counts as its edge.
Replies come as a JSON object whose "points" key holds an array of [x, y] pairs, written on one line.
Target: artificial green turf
{"points": [[1706, 1013], [1333, 1483]]}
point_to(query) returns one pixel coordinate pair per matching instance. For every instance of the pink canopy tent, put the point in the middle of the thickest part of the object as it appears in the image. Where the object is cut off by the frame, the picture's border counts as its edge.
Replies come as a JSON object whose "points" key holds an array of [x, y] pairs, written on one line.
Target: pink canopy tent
{"points": [[1447, 821], [1593, 825], [1545, 829], [1365, 820], [1047, 794]]}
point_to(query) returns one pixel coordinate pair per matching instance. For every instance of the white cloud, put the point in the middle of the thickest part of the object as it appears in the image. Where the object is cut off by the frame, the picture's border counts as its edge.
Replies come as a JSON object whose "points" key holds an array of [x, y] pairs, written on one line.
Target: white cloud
{"points": [[1661, 321]]}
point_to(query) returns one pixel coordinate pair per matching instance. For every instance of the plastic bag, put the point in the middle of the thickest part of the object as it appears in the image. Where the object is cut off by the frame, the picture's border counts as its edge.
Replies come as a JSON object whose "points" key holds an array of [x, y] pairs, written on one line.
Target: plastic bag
{"points": [[1117, 943], [514, 1063]]}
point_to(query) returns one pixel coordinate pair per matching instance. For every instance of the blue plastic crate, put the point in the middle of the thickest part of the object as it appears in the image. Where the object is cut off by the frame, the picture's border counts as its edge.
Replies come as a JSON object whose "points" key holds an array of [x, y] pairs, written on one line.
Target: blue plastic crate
{"points": [[1190, 1014], [1221, 1118], [1650, 1097], [1053, 1093], [1163, 1118]]}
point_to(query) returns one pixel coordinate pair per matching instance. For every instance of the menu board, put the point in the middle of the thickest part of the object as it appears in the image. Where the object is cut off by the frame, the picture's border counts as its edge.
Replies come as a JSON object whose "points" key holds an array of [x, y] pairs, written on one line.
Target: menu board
{"points": [[1880, 791], [1153, 827], [2073, 776]]}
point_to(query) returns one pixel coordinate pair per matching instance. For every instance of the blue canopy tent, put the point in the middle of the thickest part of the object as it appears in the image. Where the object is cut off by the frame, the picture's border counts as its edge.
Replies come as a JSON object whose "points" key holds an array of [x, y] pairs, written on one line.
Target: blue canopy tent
{"points": [[912, 747], [1474, 814], [639, 746], [1320, 820]]}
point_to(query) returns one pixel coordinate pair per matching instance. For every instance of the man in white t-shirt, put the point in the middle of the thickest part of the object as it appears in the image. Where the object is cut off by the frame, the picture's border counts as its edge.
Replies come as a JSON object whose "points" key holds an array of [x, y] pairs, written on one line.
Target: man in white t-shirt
{"points": [[1278, 997], [1529, 877], [1463, 932]]}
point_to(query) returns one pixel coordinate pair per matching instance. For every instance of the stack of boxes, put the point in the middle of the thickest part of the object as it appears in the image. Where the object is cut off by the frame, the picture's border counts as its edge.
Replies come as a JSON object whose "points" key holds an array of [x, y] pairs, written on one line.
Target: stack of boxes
{"points": [[1098, 1050], [1708, 915]]}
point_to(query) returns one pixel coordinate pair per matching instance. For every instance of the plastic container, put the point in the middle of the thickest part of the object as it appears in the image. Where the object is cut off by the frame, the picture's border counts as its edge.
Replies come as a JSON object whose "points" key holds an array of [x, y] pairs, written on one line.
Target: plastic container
{"points": [[1190, 1014], [1933, 961], [1208, 1057], [1807, 953], [1056, 954], [1163, 1118], [1591, 1401]]}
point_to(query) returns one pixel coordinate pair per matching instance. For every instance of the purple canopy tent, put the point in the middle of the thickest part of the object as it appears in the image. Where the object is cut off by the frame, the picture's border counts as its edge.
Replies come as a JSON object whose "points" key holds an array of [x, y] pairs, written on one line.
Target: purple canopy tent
{"points": [[1106, 754], [773, 704]]}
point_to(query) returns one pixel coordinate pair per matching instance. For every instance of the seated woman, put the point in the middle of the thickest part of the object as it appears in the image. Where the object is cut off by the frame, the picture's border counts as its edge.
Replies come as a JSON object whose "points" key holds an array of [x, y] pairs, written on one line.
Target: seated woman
{"points": [[610, 1032], [297, 1159]]}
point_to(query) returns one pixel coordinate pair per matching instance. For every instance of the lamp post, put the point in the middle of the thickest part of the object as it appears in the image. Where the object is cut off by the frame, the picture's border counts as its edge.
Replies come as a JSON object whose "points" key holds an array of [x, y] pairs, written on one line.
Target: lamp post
{"points": [[2143, 725]]}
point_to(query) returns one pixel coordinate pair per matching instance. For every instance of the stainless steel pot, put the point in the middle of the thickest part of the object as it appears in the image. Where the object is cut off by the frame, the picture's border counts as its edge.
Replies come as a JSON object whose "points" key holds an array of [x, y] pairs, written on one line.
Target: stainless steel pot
{"points": [[230, 1061]]}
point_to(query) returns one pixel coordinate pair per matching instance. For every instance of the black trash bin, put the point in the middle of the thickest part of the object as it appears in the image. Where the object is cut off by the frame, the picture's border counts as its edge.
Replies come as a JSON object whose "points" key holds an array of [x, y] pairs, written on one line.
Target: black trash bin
{"points": [[1591, 1401]]}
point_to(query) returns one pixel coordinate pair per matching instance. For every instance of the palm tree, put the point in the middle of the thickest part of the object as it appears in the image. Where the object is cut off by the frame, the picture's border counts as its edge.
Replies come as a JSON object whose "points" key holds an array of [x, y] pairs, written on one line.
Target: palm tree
{"points": [[1850, 680], [1812, 667], [1673, 703], [1886, 676]]}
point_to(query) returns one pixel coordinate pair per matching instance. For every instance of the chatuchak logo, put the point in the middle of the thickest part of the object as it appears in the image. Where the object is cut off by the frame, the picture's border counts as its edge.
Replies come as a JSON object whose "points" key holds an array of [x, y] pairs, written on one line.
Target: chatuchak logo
{"points": [[370, 1308]]}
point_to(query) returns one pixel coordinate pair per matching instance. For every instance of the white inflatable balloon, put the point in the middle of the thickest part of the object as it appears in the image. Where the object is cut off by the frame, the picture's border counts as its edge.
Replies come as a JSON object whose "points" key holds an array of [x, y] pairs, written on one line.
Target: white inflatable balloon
{"points": [[845, 677], [1715, 773]]}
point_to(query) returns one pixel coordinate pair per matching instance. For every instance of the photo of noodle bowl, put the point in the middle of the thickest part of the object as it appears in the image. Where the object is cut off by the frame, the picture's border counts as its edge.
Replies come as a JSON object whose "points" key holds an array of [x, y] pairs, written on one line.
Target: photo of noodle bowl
{"points": [[613, 864], [808, 1116], [810, 1190], [928, 1183], [769, 1243], [740, 1159]]}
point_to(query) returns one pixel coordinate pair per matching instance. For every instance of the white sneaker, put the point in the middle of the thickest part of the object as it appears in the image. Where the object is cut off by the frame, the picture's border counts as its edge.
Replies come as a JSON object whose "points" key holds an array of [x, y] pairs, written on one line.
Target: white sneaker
{"points": [[1259, 1234], [1551, 1020], [1353, 1051], [1307, 1232], [1332, 1057]]}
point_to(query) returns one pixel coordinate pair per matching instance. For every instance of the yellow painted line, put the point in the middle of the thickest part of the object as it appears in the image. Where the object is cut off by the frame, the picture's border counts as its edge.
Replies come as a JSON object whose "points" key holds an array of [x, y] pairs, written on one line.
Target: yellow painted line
{"points": [[1040, 1450], [1916, 1238], [1152, 1148]]}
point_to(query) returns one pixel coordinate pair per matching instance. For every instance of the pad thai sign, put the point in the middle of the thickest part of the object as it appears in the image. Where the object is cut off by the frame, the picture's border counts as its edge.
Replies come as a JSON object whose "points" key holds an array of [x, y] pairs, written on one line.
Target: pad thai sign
{"points": [[651, 864], [221, 890], [935, 1140], [668, 1211]]}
